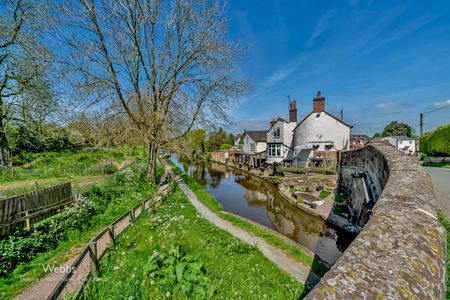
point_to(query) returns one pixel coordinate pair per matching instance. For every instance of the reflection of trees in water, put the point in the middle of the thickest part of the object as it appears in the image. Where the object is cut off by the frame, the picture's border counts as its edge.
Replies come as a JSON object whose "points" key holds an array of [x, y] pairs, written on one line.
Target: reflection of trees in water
{"points": [[288, 220]]}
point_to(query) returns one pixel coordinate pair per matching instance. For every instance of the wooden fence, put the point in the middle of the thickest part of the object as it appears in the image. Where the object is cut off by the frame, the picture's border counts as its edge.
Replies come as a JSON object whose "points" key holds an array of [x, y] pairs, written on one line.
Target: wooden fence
{"points": [[86, 264], [27, 209]]}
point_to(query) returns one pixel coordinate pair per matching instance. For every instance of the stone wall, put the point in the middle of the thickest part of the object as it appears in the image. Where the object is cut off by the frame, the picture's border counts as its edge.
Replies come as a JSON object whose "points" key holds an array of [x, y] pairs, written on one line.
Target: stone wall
{"points": [[401, 252]]}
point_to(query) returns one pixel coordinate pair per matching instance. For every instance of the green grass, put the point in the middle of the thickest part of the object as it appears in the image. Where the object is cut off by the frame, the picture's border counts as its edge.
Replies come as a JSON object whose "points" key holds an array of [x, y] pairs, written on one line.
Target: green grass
{"points": [[64, 164], [436, 165], [177, 254], [126, 195], [338, 197], [324, 194], [271, 238], [446, 224]]}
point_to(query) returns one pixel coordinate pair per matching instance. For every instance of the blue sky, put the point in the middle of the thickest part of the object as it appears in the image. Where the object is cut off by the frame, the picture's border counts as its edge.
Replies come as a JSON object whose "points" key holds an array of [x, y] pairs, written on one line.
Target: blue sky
{"points": [[377, 60]]}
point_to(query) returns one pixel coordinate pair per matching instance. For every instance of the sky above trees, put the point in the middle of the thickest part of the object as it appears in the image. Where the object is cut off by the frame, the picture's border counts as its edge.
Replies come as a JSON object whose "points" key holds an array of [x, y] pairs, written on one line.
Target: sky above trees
{"points": [[377, 60]]}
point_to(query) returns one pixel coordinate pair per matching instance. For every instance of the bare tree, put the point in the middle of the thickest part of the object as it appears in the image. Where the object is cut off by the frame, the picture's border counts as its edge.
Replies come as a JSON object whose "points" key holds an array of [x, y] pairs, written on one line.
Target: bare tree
{"points": [[20, 60], [168, 63]]}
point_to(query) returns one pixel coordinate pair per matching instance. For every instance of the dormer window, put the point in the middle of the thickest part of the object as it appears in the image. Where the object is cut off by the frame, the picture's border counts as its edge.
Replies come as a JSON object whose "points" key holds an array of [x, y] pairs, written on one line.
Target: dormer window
{"points": [[276, 132]]}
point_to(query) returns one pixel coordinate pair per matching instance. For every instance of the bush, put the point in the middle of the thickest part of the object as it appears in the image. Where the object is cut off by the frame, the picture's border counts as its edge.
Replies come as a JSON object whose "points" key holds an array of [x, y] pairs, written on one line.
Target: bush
{"points": [[437, 142], [23, 246], [225, 146]]}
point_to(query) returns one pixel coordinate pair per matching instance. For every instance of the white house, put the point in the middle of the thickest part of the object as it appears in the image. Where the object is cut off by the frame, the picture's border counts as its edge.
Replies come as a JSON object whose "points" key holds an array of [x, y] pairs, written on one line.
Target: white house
{"points": [[404, 144], [255, 141], [280, 137], [320, 131]]}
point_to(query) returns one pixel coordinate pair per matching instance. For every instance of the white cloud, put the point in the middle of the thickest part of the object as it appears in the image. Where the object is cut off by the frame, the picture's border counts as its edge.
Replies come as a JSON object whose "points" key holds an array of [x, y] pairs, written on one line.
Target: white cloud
{"points": [[441, 104], [321, 27], [389, 105]]}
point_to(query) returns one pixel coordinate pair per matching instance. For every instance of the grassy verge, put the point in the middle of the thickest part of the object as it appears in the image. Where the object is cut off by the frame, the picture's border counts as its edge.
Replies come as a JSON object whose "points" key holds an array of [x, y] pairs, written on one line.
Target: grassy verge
{"points": [[177, 254], [446, 224], [61, 237], [436, 165], [64, 164], [297, 253]]}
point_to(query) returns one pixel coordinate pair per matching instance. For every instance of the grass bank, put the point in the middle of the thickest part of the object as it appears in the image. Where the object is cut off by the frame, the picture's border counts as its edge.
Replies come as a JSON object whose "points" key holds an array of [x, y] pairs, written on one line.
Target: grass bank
{"points": [[177, 254], [446, 224], [64, 164], [60, 237], [273, 239]]}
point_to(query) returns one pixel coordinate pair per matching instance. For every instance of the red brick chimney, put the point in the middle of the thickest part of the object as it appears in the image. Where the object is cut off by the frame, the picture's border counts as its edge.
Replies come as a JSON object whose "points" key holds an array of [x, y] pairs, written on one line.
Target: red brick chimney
{"points": [[319, 103], [293, 111], [272, 123]]}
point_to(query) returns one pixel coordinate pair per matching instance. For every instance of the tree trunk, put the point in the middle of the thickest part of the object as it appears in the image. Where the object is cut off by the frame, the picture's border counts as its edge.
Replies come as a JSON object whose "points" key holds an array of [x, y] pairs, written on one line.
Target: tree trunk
{"points": [[5, 152], [151, 163]]}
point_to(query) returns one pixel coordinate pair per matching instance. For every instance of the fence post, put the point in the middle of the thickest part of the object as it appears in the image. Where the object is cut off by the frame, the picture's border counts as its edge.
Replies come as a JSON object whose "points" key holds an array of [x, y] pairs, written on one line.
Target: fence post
{"points": [[93, 258], [27, 221], [111, 234]]}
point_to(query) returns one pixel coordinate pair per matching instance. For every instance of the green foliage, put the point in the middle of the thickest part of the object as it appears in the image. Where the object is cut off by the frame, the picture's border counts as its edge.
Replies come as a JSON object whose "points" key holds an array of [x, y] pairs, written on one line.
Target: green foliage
{"points": [[225, 146], [62, 164], [210, 202], [324, 194], [377, 135], [437, 142], [23, 138], [176, 254], [396, 128], [216, 139], [338, 197], [126, 189]]}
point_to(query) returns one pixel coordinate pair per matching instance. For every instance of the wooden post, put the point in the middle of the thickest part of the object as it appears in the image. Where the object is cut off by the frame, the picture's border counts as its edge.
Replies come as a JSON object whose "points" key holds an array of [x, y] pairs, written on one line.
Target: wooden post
{"points": [[27, 221], [111, 234], [93, 258]]}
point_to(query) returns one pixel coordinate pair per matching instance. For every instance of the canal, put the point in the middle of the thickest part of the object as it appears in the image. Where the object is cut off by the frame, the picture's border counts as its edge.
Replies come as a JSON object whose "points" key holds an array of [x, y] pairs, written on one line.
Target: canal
{"points": [[258, 200]]}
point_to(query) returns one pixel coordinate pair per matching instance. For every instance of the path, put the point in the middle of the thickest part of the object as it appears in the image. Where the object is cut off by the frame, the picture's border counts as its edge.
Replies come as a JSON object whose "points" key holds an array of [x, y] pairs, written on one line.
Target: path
{"points": [[441, 185], [43, 287], [301, 272]]}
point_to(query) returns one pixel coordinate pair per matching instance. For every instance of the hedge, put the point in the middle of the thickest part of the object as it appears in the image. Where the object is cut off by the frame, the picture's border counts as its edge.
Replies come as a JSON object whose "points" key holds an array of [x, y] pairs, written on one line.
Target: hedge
{"points": [[437, 142]]}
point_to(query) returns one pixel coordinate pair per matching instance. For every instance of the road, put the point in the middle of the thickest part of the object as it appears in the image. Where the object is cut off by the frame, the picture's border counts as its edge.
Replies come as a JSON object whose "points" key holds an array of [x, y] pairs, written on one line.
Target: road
{"points": [[441, 185]]}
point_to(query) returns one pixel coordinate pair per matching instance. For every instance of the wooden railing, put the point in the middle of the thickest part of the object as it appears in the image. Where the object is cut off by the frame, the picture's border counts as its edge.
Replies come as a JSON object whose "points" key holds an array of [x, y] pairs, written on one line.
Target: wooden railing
{"points": [[86, 265], [26, 209]]}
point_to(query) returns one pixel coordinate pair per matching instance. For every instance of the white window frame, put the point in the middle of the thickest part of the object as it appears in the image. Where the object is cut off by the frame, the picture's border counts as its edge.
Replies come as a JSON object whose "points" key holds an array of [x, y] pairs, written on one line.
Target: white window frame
{"points": [[275, 150]]}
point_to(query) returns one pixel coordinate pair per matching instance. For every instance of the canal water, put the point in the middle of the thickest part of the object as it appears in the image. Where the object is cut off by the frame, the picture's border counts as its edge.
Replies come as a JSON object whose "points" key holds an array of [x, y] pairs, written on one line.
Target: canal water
{"points": [[259, 201]]}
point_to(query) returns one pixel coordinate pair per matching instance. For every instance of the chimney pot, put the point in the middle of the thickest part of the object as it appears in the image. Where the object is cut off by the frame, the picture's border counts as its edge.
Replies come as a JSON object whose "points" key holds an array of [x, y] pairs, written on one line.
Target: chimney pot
{"points": [[319, 103], [293, 111]]}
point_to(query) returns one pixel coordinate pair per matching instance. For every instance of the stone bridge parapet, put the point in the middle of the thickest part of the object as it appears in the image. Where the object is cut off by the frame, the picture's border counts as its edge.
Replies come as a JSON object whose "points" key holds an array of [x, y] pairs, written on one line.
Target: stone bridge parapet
{"points": [[401, 252]]}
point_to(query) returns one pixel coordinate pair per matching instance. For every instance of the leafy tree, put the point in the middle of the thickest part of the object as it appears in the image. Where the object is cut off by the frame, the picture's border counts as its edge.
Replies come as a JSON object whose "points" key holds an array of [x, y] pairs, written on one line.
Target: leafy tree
{"points": [[395, 128], [216, 139], [377, 135], [437, 142], [225, 146]]}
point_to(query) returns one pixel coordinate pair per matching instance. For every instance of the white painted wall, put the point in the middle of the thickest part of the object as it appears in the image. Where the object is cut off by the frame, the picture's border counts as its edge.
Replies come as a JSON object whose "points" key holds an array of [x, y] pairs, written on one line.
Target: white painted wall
{"points": [[401, 144], [285, 139], [321, 129], [260, 146]]}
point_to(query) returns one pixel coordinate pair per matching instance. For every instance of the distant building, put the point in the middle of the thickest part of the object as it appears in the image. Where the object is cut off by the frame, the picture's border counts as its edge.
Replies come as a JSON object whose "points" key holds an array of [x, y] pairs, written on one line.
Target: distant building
{"points": [[280, 137], [321, 131], [404, 144], [358, 141], [255, 141]]}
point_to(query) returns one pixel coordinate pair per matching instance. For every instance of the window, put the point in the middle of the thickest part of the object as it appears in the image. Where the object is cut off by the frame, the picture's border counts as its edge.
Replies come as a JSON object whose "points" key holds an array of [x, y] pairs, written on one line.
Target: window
{"points": [[252, 147], [276, 132], [274, 150]]}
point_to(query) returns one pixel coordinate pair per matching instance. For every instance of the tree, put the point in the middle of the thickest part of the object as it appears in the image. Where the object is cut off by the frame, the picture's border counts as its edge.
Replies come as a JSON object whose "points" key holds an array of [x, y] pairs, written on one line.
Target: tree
{"points": [[377, 135], [168, 64], [395, 128], [21, 60], [437, 142], [216, 139]]}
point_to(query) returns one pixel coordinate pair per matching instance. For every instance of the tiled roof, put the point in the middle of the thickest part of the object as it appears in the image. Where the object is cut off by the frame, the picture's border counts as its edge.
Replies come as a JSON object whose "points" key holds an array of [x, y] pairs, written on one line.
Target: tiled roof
{"points": [[258, 135]]}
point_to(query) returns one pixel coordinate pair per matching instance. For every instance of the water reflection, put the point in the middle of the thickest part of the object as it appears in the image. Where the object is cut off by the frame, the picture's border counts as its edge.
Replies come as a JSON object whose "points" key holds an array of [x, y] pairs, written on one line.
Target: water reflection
{"points": [[259, 200]]}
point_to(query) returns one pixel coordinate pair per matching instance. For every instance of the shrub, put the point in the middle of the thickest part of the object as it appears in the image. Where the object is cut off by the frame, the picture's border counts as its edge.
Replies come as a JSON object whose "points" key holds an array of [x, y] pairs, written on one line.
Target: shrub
{"points": [[437, 142], [225, 146]]}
